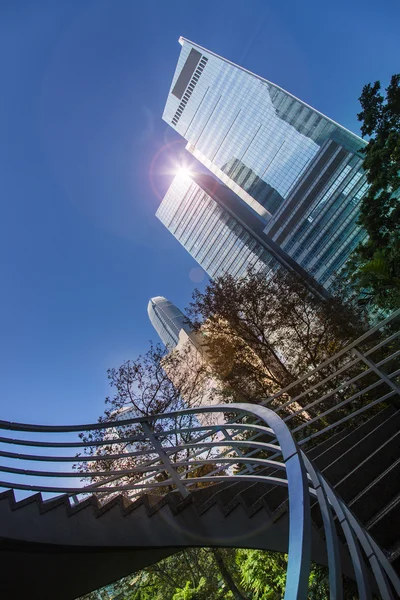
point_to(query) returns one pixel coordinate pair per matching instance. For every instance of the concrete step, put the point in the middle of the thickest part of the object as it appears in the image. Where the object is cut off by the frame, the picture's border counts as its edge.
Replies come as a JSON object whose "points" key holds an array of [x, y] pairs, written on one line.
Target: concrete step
{"points": [[255, 492]]}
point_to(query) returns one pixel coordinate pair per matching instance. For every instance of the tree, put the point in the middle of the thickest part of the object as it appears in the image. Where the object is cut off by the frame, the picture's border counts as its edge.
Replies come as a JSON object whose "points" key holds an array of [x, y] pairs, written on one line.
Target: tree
{"points": [[263, 573], [374, 268], [262, 334], [142, 389], [194, 575]]}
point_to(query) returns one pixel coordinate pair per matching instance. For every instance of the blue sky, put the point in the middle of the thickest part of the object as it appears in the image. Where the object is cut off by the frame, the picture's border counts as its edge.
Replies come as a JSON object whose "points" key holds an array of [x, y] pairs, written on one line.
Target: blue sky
{"points": [[83, 165]]}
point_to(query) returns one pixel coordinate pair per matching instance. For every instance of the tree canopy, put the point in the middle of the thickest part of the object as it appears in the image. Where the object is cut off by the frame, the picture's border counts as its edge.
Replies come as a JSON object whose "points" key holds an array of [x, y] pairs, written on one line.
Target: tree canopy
{"points": [[195, 574], [374, 268], [262, 334]]}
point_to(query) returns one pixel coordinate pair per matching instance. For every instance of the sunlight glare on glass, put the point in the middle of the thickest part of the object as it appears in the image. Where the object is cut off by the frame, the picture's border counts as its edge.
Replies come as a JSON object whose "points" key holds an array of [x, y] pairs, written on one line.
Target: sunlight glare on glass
{"points": [[183, 173]]}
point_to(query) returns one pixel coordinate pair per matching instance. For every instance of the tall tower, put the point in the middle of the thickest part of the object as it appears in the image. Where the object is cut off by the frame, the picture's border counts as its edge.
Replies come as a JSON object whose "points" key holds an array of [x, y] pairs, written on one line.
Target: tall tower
{"points": [[294, 167], [219, 231], [167, 320]]}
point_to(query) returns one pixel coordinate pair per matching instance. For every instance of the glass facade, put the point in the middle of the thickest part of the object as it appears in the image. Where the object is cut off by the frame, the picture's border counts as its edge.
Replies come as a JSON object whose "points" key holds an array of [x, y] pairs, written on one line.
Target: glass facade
{"points": [[167, 320], [217, 240], [297, 169]]}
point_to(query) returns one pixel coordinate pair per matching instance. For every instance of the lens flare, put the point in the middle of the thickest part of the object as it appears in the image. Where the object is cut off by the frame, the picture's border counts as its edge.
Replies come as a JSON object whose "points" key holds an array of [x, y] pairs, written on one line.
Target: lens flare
{"points": [[183, 173]]}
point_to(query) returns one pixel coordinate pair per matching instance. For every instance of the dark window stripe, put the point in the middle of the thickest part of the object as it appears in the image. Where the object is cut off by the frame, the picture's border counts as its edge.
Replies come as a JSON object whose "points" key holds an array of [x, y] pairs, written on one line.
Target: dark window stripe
{"points": [[324, 156], [312, 195], [186, 73]]}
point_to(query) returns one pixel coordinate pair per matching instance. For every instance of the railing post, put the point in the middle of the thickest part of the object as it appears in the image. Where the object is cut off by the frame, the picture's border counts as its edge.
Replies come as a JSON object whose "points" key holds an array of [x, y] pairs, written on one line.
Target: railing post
{"points": [[165, 460], [376, 370], [238, 451]]}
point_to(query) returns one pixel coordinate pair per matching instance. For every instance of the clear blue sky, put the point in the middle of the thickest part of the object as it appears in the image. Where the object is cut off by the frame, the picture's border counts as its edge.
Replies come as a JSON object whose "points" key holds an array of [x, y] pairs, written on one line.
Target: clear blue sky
{"points": [[83, 88]]}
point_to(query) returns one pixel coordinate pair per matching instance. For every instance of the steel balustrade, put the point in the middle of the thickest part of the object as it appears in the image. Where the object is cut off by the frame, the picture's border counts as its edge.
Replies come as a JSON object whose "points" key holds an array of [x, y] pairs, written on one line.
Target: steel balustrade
{"points": [[302, 480], [326, 393], [256, 445]]}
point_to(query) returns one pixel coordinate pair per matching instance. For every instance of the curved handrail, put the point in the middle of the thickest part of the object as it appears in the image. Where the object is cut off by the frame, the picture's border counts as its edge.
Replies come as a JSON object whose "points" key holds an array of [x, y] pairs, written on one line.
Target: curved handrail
{"points": [[252, 454]]}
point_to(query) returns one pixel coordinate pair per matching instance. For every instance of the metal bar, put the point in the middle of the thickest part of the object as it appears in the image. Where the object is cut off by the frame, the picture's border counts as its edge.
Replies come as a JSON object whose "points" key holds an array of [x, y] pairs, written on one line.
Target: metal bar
{"points": [[360, 570], [198, 452], [312, 388], [375, 562], [136, 438], [380, 373], [342, 369], [347, 417], [344, 419], [339, 388], [390, 572], [12, 426], [173, 473], [238, 451], [319, 400], [337, 406], [299, 561], [332, 542], [144, 469], [138, 453], [337, 355], [157, 484]]}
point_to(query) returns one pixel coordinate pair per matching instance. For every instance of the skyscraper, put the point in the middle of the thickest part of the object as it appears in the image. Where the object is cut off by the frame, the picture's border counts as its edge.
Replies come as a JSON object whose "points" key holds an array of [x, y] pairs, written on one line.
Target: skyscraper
{"points": [[167, 320], [296, 168], [219, 231]]}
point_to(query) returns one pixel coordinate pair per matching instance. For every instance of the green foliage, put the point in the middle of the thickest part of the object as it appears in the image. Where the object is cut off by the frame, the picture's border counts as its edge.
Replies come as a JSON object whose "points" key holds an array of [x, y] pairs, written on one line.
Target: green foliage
{"points": [[263, 573], [374, 268], [194, 575], [190, 593]]}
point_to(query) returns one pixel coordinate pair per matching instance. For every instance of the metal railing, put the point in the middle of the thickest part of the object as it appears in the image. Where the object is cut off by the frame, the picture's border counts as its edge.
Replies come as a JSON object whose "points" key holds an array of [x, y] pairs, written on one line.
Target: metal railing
{"points": [[360, 379], [175, 452], [160, 455]]}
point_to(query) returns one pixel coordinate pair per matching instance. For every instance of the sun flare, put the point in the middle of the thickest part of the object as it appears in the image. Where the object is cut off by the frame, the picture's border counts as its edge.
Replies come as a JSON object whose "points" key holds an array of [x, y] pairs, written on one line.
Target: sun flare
{"points": [[183, 173]]}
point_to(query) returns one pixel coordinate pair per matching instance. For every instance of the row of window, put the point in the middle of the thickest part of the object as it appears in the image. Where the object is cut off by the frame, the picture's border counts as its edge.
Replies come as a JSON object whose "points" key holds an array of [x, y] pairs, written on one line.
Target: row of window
{"points": [[189, 89]]}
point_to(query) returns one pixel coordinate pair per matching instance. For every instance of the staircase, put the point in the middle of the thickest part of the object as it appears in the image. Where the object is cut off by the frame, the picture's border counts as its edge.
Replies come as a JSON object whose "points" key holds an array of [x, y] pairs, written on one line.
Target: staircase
{"points": [[363, 465], [42, 542], [63, 548]]}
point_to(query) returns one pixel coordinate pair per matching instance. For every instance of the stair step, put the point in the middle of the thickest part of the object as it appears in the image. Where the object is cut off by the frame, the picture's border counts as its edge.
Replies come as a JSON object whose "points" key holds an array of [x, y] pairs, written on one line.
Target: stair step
{"points": [[368, 471], [251, 496], [378, 494], [373, 432], [362, 429], [275, 497], [204, 497], [370, 487], [240, 491], [227, 494], [385, 527], [352, 450], [320, 448], [277, 494]]}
